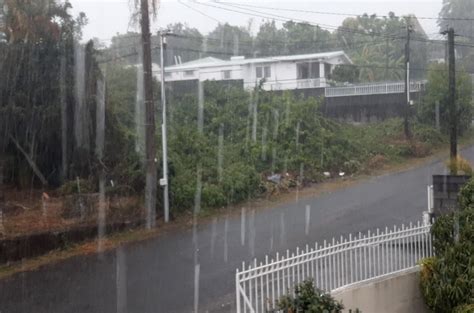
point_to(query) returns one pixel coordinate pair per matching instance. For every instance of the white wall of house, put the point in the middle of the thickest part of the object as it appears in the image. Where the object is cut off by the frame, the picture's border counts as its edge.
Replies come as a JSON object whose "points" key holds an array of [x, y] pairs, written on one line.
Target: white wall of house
{"points": [[278, 74]]}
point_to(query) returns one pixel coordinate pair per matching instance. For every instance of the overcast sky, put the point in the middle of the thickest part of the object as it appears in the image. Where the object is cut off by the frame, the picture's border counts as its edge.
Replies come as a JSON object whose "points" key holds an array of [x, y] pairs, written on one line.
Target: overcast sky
{"points": [[109, 17]]}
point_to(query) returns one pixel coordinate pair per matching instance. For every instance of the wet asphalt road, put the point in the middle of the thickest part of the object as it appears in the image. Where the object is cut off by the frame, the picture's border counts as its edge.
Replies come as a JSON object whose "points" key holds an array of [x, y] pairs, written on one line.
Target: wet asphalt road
{"points": [[161, 275]]}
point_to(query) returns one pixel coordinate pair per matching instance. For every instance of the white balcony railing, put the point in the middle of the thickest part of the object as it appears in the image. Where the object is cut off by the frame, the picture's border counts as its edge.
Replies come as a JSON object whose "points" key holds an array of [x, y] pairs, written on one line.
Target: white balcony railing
{"points": [[372, 89]]}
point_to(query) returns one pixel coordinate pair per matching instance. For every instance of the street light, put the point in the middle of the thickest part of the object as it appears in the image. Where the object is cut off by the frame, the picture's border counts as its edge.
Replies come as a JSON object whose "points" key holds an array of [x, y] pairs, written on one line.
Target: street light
{"points": [[164, 180]]}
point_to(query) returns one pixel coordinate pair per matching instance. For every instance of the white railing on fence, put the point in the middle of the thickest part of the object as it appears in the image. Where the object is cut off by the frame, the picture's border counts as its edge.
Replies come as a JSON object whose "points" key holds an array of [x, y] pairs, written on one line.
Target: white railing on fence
{"points": [[372, 89], [332, 265]]}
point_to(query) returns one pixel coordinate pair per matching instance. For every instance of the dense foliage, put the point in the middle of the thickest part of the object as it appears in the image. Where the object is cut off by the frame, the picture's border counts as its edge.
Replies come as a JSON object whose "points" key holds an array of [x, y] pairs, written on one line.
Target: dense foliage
{"points": [[245, 138], [39, 96], [447, 280]]}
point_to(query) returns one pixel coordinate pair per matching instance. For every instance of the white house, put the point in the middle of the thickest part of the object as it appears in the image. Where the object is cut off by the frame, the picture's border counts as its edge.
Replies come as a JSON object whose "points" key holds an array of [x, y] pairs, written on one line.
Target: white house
{"points": [[278, 73]]}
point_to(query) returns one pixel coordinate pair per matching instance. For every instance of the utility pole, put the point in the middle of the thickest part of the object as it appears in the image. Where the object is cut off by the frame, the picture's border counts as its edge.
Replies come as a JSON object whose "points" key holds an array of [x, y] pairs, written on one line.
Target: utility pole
{"points": [[408, 134], [164, 180], [453, 120], [150, 149]]}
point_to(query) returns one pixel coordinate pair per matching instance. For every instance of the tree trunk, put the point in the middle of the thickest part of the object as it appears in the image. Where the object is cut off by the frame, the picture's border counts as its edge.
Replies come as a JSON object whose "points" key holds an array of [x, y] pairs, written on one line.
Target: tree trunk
{"points": [[31, 162], [150, 189]]}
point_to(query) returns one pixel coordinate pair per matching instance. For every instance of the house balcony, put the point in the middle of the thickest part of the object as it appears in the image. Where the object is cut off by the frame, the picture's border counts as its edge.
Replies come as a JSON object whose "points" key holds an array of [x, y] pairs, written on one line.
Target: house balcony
{"points": [[295, 84]]}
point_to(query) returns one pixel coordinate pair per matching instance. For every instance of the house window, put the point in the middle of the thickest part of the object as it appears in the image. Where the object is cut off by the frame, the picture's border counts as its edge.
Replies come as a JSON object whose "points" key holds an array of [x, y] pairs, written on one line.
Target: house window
{"points": [[263, 71], [308, 70], [167, 74], [188, 73], [226, 74]]}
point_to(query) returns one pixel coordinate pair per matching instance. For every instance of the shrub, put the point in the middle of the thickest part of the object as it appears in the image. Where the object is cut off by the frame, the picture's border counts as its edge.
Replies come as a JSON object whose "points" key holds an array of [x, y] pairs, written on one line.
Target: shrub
{"points": [[459, 166], [466, 195], [447, 281], [309, 299], [466, 308], [77, 186]]}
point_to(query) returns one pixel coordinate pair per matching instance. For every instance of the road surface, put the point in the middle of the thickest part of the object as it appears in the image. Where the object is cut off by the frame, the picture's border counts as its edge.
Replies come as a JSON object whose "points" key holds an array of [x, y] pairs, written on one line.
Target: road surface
{"points": [[189, 270]]}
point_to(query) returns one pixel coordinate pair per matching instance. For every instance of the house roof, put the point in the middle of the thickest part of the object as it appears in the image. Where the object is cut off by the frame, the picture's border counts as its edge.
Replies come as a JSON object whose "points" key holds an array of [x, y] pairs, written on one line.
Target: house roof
{"points": [[215, 62]]}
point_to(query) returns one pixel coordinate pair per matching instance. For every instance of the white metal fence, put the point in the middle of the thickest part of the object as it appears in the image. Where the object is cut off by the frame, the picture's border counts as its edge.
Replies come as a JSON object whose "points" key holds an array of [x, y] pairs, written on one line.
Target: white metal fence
{"points": [[332, 265], [372, 89]]}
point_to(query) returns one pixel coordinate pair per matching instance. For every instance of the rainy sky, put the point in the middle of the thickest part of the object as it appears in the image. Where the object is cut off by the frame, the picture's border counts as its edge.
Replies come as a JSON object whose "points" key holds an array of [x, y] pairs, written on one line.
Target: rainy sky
{"points": [[109, 17]]}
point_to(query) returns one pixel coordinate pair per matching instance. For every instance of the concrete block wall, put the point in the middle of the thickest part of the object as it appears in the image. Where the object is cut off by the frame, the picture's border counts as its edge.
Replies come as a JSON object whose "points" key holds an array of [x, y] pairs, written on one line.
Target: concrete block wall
{"points": [[396, 293]]}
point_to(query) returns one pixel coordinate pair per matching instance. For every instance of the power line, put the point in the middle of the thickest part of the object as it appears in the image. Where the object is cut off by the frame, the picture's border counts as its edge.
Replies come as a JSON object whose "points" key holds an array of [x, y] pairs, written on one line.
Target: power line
{"points": [[199, 11], [341, 14], [308, 23]]}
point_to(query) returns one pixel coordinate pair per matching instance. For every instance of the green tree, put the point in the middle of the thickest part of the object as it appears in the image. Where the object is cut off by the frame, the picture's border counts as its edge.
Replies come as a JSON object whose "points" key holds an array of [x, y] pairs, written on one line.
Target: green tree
{"points": [[437, 92], [226, 40], [377, 45], [306, 38], [38, 63], [270, 40], [346, 73]]}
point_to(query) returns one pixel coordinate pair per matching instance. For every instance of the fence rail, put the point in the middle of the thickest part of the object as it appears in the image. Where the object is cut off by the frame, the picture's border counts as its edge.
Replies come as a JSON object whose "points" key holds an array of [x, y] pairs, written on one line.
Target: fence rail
{"points": [[372, 89], [332, 265]]}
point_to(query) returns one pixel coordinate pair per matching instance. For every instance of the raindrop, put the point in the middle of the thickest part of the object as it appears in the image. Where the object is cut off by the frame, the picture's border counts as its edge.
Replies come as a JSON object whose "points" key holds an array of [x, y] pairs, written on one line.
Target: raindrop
{"points": [[220, 157], [247, 134], [242, 227], [64, 128], [213, 236], [204, 47], [252, 233], [197, 270], [276, 116], [264, 143], [2, 226], [102, 215], [301, 176], [272, 235], [226, 246], [100, 119], [274, 156], [282, 229], [255, 117], [81, 130], [81, 204], [140, 112], [298, 135], [198, 194], [121, 280], [200, 107], [287, 113], [44, 204], [307, 219], [236, 44]]}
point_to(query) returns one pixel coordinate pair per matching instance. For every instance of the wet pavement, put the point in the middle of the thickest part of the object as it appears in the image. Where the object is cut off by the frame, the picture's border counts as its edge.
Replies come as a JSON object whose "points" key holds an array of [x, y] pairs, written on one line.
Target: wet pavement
{"points": [[194, 270]]}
